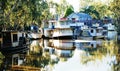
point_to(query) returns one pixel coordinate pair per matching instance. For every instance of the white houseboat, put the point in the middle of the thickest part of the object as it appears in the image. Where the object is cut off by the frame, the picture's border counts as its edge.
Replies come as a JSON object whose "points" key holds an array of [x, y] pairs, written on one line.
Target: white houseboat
{"points": [[35, 32], [69, 26], [111, 31], [97, 32]]}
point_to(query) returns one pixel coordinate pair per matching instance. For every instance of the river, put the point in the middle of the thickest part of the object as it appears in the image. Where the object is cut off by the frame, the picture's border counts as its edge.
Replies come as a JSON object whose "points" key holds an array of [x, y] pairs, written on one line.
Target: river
{"points": [[65, 55]]}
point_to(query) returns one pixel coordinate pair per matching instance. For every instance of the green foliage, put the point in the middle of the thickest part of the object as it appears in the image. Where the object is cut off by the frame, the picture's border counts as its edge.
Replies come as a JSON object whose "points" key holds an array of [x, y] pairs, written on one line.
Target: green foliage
{"points": [[1, 58], [60, 8], [91, 11], [37, 61], [98, 10], [23, 12], [69, 11], [115, 7]]}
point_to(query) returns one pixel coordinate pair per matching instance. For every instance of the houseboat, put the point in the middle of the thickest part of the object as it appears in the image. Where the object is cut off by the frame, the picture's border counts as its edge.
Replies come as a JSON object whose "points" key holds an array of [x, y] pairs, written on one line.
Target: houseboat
{"points": [[85, 35], [35, 32], [12, 41], [97, 32], [111, 31], [62, 33], [68, 27]]}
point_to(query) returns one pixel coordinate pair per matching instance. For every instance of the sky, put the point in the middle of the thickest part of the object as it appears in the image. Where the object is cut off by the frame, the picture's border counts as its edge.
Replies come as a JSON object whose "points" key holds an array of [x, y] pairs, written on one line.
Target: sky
{"points": [[76, 3]]}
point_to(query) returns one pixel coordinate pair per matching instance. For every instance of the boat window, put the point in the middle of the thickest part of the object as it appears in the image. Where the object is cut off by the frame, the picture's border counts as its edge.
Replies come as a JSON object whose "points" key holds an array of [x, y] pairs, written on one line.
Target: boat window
{"points": [[97, 30], [105, 28], [14, 37], [0, 44], [104, 33], [85, 33], [0, 35], [73, 20], [15, 61], [6, 38], [91, 31]]}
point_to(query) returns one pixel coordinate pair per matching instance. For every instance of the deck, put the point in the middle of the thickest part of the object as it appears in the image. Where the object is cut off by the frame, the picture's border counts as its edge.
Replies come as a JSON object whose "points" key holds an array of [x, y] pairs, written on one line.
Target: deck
{"points": [[24, 68]]}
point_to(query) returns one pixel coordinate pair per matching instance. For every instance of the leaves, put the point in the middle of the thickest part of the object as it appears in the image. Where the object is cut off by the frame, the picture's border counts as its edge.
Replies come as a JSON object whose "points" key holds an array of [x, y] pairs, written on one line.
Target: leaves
{"points": [[23, 12], [115, 7], [69, 11]]}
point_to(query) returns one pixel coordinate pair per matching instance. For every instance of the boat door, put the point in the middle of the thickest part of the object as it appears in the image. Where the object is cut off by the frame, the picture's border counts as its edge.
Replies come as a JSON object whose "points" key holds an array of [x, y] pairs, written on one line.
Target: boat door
{"points": [[6, 38]]}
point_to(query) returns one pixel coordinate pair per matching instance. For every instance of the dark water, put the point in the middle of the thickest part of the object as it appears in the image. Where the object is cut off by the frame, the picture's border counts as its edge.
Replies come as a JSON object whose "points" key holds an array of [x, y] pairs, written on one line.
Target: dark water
{"points": [[66, 55]]}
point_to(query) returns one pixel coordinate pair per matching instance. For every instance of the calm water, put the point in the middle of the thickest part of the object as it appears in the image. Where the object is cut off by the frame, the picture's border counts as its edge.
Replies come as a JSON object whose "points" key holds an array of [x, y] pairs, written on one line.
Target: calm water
{"points": [[66, 55]]}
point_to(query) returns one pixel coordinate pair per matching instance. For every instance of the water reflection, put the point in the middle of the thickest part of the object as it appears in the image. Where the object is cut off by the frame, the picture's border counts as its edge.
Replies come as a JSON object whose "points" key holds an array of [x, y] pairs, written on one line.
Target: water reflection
{"points": [[63, 55]]}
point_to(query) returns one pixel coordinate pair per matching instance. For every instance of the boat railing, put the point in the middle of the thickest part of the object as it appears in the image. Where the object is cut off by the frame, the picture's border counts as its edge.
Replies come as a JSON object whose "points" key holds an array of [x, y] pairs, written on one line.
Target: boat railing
{"points": [[8, 44]]}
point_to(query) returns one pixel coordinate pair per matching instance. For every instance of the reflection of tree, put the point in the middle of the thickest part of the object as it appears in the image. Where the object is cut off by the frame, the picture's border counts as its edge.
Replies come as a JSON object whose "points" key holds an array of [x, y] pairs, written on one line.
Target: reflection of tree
{"points": [[109, 47], [36, 58], [1, 58], [37, 61], [112, 47], [117, 52], [35, 50]]}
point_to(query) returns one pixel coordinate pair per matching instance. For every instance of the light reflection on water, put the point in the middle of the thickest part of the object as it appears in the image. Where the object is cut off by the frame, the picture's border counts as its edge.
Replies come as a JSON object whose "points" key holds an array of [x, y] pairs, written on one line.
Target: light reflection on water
{"points": [[70, 55], [84, 62]]}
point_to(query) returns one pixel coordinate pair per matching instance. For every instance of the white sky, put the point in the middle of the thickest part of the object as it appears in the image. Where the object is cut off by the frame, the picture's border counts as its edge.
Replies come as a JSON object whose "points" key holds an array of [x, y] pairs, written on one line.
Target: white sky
{"points": [[76, 3]]}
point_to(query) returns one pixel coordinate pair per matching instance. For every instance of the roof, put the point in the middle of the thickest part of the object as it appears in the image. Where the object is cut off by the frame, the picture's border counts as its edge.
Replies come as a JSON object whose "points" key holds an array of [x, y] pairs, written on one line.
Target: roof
{"points": [[63, 19], [81, 16]]}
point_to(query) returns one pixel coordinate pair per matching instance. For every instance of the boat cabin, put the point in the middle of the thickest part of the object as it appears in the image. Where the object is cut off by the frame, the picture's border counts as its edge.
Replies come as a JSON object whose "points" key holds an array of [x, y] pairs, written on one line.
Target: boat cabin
{"points": [[97, 32], [12, 38]]}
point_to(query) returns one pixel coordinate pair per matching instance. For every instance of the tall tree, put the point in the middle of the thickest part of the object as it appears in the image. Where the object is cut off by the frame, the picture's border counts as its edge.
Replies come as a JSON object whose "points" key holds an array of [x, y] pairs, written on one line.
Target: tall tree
{"points": [[91, 11], [98, 10], [115, 7], [23, 12], [69, 10]]}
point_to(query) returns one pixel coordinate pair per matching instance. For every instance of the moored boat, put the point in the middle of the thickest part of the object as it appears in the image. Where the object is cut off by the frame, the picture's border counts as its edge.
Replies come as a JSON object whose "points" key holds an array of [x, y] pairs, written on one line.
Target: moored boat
{"points": [[13, 41]]}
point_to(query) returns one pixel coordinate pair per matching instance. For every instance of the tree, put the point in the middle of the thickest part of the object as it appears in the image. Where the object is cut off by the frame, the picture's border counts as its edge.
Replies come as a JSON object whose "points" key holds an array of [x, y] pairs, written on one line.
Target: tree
{"points": [[98, 10], [115, 7], [18, 13], [59, 8], [91, 11], [69, 11]]}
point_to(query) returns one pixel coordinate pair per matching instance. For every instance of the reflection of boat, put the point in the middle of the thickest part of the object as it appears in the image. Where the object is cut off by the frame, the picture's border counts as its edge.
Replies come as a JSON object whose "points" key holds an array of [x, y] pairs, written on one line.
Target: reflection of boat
{"points": [[18, 60], [63, 44], [63, 53], [13, 41], [83, 44]]}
